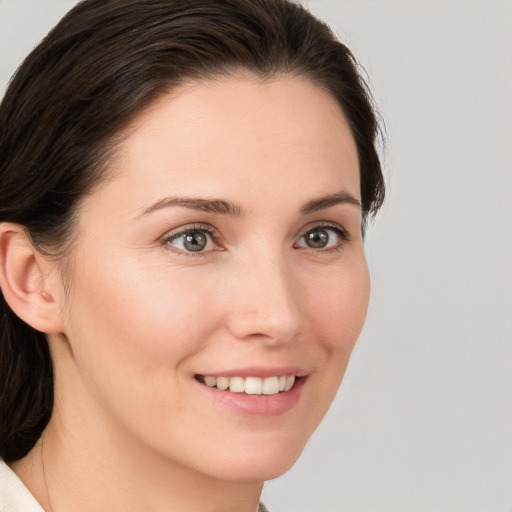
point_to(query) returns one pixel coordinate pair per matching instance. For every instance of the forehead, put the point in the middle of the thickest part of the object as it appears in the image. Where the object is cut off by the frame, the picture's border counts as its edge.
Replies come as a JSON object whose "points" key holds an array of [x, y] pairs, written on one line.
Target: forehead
{"points": [[240, 133]]}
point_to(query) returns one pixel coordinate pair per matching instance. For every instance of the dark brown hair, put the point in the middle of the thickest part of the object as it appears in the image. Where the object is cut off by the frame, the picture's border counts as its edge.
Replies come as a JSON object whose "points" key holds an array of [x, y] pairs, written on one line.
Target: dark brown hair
{"points": [[100, 66]]}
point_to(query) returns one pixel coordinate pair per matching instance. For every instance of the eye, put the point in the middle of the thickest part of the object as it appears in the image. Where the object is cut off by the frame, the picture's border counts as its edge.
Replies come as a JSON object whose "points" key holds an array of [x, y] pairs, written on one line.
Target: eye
{"points": [[195, 240], [323, 237]]}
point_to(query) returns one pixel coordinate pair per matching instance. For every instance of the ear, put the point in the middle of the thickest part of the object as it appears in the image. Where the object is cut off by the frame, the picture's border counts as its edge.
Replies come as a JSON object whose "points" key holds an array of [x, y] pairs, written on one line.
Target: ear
{"points": [[27, 280]]}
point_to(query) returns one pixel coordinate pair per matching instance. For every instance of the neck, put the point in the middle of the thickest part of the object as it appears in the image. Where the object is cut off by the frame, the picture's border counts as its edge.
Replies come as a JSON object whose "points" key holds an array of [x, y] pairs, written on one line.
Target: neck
{"points": [[76, 469]]}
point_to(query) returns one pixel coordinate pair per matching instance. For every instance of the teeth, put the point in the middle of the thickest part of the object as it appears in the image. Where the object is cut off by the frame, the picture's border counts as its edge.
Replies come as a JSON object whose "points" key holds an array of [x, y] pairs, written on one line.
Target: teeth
{"points": [[222, 383], [236, 385], [252, 385], [290, 381], [210, 381], [271, 386]]}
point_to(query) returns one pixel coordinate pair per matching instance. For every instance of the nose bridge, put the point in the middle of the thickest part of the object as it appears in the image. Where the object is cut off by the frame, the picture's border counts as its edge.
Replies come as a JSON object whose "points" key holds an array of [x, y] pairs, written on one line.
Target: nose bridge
{"points": [[263, 302]]}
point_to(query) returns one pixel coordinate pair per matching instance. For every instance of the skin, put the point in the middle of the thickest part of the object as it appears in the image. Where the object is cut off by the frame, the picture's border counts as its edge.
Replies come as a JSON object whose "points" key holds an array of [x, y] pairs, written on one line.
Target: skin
{"points": [[132, 429]]}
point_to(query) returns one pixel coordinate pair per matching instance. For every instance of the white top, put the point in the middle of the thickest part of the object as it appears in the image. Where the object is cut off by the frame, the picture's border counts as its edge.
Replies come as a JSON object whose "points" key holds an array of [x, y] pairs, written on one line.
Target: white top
{"points": [[14, 496]]}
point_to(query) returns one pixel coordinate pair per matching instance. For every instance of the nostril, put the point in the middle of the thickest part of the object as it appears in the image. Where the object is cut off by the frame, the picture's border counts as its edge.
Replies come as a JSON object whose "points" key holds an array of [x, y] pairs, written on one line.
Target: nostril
{"points": [[271, 329]]}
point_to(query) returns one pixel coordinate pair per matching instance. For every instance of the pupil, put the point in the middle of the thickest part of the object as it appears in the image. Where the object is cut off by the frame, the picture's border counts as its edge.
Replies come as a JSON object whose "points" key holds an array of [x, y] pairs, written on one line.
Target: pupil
{"points": [[317, 239], [195, 241]]}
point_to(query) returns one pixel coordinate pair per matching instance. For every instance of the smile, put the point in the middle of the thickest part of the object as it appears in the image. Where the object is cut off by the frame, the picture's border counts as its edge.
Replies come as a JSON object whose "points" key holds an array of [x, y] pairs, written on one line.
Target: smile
{"points": [[250, 385]]}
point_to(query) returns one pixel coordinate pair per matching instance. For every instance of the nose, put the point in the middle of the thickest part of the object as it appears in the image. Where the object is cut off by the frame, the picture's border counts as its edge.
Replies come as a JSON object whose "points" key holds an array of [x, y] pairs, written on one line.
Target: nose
{"points": [[263, 302]]}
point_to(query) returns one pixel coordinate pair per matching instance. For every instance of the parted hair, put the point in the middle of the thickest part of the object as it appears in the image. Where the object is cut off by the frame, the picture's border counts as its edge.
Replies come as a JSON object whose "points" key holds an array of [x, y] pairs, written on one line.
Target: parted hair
{"points": [[103, 63]]}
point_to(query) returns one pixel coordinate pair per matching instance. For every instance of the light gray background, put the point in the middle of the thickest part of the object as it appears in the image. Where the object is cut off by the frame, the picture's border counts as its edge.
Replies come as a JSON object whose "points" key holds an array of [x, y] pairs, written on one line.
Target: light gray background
{"points": [[423, 421]]}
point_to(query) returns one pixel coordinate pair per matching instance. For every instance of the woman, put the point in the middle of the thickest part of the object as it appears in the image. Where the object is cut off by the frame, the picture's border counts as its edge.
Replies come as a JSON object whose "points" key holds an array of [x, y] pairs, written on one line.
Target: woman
{"points": [[183, 194]]}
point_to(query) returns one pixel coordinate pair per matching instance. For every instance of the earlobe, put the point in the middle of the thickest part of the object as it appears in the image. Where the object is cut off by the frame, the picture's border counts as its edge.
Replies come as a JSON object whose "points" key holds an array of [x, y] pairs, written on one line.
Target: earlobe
{"points": [[25, 280]]}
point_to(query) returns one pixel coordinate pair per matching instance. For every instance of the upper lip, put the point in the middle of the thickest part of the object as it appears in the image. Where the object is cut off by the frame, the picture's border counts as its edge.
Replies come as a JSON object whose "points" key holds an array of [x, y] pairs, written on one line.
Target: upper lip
{"points": [[259, 371]]}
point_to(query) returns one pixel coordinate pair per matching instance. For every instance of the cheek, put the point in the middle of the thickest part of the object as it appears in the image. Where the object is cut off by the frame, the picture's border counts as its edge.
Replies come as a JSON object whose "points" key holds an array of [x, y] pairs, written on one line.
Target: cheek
{"points": [[338, 308], [134, 334], [136, 322], [338, 315]]}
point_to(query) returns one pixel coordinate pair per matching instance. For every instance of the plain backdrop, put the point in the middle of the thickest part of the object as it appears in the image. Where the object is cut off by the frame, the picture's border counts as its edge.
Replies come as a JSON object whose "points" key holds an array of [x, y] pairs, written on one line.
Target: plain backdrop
{"points": [[423, 420]]}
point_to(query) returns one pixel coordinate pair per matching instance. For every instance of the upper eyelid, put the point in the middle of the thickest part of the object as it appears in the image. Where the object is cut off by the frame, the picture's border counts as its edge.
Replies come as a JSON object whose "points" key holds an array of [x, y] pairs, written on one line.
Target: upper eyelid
{"points": [[214, 231], [175, 233], [324, 224]]}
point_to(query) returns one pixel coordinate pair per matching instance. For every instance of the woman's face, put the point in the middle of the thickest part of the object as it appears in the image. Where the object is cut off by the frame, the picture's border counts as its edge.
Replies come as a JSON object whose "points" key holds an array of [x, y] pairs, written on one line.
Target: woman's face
{"points": [[225, 250]]}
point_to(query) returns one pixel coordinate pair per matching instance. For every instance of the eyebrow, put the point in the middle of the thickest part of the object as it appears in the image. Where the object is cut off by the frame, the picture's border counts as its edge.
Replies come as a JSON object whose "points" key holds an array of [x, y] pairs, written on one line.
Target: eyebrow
{"points": [[223, 207], [327, 201], [216, 206]]}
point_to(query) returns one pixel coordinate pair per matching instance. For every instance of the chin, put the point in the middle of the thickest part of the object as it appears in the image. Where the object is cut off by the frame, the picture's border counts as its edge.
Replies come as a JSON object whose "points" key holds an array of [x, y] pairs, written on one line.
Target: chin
{"points": [[259, 461], [261, 470]]}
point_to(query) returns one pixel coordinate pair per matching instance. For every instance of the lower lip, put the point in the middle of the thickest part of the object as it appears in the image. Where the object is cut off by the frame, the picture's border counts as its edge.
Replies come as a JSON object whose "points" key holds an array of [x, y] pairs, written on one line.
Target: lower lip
{"points": [[258, 405]]}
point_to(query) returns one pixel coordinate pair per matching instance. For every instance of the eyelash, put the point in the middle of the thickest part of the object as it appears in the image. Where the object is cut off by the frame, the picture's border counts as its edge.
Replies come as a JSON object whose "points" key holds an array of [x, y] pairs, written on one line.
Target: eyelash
{"points": [[213, 233], [216, 238], [340, 232]]}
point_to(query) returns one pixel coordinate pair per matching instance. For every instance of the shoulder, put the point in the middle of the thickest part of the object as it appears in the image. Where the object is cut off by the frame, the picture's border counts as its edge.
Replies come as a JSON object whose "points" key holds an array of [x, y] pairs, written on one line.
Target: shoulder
{"points": [[14, 496]]}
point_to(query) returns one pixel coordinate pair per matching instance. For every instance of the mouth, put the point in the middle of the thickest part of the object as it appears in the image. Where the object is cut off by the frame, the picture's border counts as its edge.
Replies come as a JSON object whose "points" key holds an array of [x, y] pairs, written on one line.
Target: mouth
{"points": [[256, 391], [251, 385]]}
